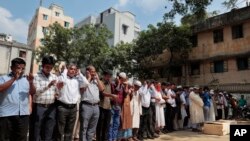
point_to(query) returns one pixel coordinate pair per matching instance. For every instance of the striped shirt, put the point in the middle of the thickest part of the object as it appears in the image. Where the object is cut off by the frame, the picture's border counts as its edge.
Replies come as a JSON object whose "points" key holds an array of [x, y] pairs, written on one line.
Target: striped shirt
{"points": [[44, 94]]}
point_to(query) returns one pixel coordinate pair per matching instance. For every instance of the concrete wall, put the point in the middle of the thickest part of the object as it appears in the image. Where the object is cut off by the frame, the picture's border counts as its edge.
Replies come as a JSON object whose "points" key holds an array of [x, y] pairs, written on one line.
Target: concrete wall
{"points": [[207, 51]]}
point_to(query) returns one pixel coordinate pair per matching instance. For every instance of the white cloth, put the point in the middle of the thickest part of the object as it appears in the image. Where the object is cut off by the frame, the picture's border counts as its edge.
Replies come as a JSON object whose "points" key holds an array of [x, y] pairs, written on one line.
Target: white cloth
{"points": [[211, 111], [145, 96], [159, 110], [171, 100], [136, 109], [70, 92], [196, 108], [183, 108]]}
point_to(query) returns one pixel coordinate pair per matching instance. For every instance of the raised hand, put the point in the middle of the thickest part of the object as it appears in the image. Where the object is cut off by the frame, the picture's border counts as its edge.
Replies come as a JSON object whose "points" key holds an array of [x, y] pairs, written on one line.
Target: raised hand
{"points": [[30, 77], [52, 83]]}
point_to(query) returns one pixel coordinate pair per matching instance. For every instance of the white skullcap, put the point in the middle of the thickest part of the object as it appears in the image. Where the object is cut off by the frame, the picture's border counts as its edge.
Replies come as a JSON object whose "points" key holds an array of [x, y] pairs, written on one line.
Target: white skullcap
{"points": [[137, 83], [123, 75], [196, 87], [179, 87], [211, 91]]}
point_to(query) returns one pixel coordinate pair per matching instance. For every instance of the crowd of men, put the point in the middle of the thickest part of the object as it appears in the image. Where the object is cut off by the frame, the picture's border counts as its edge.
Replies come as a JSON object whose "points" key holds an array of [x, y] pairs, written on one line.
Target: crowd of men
{"points": [[72, 106]]}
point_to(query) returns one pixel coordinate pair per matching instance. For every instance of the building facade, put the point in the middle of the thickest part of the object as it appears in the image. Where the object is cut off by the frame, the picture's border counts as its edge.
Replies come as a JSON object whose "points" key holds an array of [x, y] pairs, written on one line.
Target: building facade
{"points": [[122, 25], [9, 50], [40, 22], [221, 53]]}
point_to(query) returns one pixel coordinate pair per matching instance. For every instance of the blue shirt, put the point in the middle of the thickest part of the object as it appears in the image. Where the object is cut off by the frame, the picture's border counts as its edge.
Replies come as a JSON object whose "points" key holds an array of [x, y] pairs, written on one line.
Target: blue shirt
{"points": [[206, 99], [15, 100]]}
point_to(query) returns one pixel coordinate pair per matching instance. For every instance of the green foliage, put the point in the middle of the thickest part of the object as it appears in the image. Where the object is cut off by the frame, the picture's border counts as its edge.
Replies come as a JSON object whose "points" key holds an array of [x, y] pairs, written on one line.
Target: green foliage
{"points": [[83, 46], [230, 4], [152, 42], [184, 7]]}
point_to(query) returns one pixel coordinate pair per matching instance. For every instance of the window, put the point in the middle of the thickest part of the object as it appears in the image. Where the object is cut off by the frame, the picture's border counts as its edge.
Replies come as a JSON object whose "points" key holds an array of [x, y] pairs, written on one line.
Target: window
{"points": [[176, 71], [195, 68], [194, 40], [45, 17], [45, 30], [243, 63], [22, 54], [124, 29], [219, 66], [218, 35], [237, 31], [66, 24], [57, 14]]}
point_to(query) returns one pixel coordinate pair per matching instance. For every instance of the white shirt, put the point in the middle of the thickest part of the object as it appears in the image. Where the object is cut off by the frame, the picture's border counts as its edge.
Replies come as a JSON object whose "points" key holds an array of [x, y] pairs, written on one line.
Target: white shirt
{"points": [[70, 92], [171, 100], [145, 96]]}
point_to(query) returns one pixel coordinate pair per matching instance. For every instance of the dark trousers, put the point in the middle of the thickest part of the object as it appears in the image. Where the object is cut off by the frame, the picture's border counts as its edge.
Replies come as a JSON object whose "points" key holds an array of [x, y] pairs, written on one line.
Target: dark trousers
{"points": [[185, 124], [42, 123], [144, 123], [14, 128], [152, 118], [170, 114], [103, 124], [219, 116], [66, 117]]}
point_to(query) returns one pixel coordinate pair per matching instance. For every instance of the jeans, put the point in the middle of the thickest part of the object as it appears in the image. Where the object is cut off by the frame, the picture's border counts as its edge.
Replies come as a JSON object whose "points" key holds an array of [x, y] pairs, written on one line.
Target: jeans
{"points": [[115, 123], [14, 128], [103, 124], [65, 122], [43, 122]]}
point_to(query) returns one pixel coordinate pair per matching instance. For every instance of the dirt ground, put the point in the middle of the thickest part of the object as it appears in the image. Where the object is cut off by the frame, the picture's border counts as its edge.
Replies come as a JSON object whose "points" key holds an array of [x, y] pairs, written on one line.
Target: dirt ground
{"points": [[188, 135]]}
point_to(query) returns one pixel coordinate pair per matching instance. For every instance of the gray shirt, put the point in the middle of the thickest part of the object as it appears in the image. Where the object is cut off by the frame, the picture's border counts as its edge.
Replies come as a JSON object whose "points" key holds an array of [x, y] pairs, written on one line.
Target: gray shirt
{"points": [[91, 94]]}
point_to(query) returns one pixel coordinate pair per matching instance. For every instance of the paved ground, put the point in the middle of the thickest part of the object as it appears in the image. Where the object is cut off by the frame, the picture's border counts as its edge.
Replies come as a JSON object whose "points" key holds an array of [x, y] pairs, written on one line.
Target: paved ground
{"points": [[190, 136]]}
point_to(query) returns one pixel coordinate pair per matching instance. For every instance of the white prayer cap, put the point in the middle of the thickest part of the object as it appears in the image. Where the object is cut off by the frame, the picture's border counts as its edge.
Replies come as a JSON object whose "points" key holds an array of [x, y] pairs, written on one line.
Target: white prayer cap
{"points": [[123, 75], [179, 87], [196, 87], [211, 91], [137, 83]]}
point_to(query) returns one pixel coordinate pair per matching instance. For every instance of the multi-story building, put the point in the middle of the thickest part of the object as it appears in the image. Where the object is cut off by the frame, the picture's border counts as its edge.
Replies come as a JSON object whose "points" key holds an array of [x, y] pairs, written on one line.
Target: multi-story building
{"points": [[220, 57], [122, 25], [40, 22], [10, 49], [221, 53]]}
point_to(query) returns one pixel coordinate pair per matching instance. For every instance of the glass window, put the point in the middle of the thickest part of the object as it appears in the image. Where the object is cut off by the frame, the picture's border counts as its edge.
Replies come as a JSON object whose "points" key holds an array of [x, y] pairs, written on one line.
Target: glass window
{"points": [[237, 31], [218, 35], [22, 54], [57, 14], [124, 29], [219, 66], [195, 68], [194, 40], [66, 24], [45, 17], [242, 63]]}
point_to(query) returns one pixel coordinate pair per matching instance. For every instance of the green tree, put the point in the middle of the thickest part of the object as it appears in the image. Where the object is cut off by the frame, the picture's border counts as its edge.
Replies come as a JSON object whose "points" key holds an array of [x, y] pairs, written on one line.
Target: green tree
{"points": [[56, 42], [83, 46], [152, 42], [193, 7], [91, 46], [230, 4]]}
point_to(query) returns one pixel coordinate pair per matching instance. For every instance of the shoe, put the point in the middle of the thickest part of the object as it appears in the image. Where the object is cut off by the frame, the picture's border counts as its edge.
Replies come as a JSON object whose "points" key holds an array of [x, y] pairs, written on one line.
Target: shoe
{"points": [[150, 137], [156, 135], [195, 130], [140, 138]]}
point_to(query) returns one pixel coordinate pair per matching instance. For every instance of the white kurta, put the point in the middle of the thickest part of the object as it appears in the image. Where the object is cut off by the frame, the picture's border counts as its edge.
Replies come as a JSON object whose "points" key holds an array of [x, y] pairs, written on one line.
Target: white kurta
{"points": [[136, 109], [159, 110], [196, 108]]}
